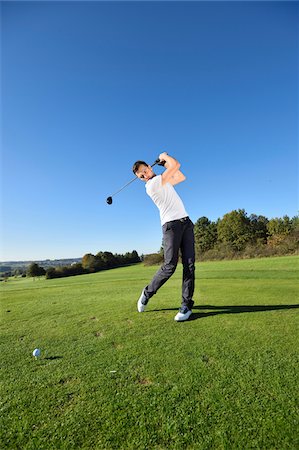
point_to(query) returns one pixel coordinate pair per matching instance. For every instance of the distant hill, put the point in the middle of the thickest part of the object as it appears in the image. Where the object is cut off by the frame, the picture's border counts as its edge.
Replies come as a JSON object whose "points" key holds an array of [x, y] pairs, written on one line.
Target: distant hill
{"points": [[11, 266]]}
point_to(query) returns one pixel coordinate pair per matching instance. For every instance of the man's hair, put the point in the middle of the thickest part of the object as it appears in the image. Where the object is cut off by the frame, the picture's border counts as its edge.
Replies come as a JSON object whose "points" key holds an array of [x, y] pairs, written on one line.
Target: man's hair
{"points": [[137, 164]]}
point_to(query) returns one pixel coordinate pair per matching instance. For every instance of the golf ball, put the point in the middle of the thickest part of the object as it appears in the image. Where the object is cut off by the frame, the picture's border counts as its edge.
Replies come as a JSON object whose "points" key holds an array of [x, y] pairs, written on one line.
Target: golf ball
{"points": [[36, 352]]}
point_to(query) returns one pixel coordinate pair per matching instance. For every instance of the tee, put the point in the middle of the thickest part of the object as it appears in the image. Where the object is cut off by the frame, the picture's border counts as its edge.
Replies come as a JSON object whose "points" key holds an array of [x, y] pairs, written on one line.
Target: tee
{"points": [[166, 199]]}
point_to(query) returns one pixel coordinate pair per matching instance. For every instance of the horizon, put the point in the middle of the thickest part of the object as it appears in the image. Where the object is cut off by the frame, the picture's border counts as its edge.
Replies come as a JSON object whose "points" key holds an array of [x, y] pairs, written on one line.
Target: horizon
{"points": [[118, 252]]}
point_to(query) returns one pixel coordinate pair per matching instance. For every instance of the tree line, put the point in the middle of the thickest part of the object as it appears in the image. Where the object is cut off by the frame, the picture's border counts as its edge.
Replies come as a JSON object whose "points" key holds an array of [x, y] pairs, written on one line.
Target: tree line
{"points": [[90, 264], [237, 235]]}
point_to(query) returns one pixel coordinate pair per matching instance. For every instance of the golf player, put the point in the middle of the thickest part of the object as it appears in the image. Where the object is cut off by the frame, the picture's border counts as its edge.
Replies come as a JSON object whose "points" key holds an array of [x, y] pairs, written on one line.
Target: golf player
{"points": [[177, 231]]}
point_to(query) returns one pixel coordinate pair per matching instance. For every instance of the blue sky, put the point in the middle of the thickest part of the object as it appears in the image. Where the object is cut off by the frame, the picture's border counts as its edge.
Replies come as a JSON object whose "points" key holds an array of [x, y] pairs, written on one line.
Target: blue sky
{"points": [[90, 87]]}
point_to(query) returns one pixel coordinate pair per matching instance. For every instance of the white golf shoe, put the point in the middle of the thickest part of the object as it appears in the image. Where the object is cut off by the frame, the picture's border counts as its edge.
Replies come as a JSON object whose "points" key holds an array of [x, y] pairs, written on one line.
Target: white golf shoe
{"points": [[183, 314], [141, 304]]}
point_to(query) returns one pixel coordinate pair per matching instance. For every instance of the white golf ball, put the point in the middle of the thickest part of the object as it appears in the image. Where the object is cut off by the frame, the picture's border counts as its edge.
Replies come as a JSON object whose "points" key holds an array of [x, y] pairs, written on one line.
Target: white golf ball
{"points": [[36, 352]]}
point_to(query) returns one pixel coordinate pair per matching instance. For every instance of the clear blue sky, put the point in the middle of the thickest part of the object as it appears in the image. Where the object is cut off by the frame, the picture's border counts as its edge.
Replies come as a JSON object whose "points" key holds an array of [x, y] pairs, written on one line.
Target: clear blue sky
{"points": [[90, 87]]}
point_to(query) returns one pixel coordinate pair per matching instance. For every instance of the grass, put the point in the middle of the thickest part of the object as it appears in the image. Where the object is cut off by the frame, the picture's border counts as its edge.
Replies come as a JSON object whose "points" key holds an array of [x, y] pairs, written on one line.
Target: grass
{"points": [[111, 378]]}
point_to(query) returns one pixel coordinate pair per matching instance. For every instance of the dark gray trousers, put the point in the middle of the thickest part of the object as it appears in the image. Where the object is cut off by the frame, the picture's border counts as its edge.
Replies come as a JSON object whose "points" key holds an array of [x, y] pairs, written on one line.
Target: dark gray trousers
{"points": [[177, 235]]}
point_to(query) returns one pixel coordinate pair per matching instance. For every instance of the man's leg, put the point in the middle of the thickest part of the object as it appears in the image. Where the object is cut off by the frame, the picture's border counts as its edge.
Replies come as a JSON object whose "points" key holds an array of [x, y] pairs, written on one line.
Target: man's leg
{"points": [[172, 235], [188, 260]]}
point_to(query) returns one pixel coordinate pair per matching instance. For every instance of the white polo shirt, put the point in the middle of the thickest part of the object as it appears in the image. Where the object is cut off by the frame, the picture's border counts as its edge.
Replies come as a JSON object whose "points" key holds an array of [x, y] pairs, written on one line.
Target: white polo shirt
{"points": [[166, 199]]}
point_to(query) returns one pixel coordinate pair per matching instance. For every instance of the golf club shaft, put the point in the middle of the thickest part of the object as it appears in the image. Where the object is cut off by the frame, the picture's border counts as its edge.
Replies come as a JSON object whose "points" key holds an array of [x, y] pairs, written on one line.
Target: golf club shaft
{"points": [[135, 178]]}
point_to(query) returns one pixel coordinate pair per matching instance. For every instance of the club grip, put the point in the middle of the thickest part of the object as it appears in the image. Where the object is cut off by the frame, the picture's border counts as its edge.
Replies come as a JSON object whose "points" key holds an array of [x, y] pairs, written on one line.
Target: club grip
{"points": [[159, 162]]}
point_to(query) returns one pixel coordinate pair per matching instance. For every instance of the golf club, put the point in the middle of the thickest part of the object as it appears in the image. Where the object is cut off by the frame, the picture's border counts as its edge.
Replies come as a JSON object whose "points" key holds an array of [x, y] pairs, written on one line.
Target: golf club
{"points": [[109, 199]]}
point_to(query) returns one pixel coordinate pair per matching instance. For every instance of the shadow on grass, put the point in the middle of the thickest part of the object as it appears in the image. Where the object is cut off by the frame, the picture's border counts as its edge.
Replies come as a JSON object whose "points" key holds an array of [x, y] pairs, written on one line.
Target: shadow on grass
{"points": [[234, 309], [51, 358]]}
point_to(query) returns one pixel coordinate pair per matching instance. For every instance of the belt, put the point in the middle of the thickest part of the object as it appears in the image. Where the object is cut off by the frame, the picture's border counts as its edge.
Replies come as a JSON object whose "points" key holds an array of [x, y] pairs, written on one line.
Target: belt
{"points": [[182, 220]]}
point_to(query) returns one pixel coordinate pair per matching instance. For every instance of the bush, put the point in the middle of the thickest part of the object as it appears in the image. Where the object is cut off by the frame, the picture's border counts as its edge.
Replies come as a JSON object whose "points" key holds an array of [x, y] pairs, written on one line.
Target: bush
{"points": [[219, 252], [153, 259]]}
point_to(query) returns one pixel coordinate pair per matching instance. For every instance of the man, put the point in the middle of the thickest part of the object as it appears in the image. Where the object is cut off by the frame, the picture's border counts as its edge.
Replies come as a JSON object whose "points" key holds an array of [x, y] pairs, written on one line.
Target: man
{"points": [[177, 231]]}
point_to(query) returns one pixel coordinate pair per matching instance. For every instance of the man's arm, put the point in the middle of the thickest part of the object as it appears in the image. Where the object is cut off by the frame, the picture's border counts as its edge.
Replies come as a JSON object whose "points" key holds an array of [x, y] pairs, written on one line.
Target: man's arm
{"points": [[172, 173], [177, 178]]}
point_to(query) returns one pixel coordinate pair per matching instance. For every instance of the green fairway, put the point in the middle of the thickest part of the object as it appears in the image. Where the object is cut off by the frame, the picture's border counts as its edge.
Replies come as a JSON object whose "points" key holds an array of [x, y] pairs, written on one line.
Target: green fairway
{"points": [[112, 378]]}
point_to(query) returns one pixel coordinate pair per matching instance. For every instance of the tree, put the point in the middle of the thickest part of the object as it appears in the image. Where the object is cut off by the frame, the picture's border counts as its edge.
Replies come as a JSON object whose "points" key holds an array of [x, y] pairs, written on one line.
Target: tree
{"points": [[109, 260], [295, 223], [234, 229], [278, 226], [134, 257], [259, 228], [89, 262], [99, 263], [34, 270], [205, 234]]}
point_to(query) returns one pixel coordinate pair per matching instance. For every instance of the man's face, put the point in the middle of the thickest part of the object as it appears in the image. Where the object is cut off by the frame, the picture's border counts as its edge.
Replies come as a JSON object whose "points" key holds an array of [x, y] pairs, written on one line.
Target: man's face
{"points": [[144, 173]]}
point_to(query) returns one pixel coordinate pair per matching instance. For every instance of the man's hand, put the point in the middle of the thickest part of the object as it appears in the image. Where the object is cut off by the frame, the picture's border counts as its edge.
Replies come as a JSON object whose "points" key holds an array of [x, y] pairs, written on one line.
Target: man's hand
{"points": [[162, 156]]}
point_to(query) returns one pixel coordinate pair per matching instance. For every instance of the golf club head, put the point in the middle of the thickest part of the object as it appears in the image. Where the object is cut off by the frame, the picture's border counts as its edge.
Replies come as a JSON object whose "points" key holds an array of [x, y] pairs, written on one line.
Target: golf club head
{"points": [[109, 200]]}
